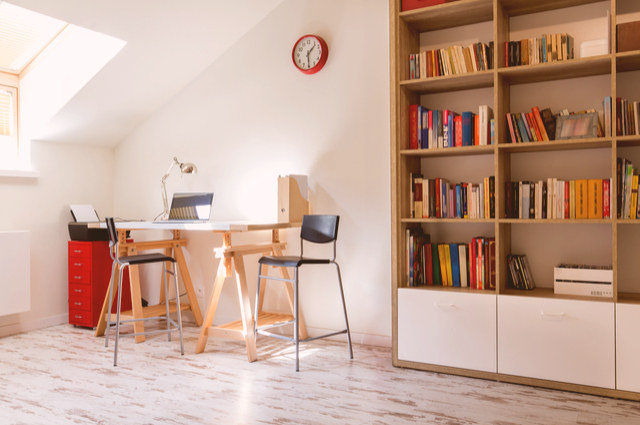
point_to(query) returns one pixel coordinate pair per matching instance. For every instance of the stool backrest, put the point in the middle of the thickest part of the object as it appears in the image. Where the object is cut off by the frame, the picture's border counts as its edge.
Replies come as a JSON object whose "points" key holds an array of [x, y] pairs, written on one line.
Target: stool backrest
{"points": [[319, 228], [111, 230]]}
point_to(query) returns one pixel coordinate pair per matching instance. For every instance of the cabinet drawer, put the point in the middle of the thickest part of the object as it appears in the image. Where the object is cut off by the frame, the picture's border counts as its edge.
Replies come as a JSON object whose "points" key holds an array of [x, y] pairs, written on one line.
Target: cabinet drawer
{"points": [[627, 347], [79, 249], [456, 329], [558, 340], [80, 303], [80, 318], [80, 276], [76, 290]]}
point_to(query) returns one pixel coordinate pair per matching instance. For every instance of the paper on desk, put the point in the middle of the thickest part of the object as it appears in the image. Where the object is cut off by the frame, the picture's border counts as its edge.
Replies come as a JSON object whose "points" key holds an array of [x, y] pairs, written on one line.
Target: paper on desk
{"points": [[84, 212]]}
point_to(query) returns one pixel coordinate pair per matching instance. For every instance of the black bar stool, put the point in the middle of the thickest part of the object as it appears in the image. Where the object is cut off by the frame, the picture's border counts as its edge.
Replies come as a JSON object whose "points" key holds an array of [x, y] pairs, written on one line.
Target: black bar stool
{"points": [[319, 229], [133, 260]]}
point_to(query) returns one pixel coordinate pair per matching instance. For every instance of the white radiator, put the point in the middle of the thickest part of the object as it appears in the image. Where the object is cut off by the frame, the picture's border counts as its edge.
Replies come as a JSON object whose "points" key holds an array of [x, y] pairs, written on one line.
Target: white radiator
{"points": [[15, 281]]}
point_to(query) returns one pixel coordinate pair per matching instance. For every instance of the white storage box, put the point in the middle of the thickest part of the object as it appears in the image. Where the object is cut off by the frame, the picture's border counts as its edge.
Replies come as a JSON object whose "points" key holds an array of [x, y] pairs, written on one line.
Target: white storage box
{"points": [[583, 280], [594, 48]]}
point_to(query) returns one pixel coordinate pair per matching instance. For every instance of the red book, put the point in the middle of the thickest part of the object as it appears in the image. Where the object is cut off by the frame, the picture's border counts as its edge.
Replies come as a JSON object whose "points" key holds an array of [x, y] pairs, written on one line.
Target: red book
{"points": [[540, 123], [567, 195], [492, 263], [457, 124], [506, 54], [533, 126], [438, 190], [413, 126], [606, 195], [476, 129], [428, 264], [479, 264], [472, 264], [511, 132]]}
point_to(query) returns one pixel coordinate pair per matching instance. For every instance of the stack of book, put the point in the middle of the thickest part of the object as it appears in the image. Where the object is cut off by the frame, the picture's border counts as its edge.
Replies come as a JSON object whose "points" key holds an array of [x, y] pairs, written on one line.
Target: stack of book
{"points": [[559, 199], [451, 60], [465, 265], [627, 189], [433, 128], [627, 116], [437, 198], [520, 272], [546, 48], [534, 126]]}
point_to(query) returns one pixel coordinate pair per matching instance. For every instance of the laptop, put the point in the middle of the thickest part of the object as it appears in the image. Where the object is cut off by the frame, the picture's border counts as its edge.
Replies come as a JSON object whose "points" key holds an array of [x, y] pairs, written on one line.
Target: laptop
{"points": [[190, 207]]}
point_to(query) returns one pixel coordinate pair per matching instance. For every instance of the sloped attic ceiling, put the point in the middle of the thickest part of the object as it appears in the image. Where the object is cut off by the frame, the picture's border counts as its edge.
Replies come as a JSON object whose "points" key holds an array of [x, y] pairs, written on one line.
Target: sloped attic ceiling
{"points": [[169, 43]]}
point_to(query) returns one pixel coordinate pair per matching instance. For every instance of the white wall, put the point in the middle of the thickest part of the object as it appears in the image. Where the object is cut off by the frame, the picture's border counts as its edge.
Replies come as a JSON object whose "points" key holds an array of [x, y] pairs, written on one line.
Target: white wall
{"points": [[68, 174], [252, 116]]}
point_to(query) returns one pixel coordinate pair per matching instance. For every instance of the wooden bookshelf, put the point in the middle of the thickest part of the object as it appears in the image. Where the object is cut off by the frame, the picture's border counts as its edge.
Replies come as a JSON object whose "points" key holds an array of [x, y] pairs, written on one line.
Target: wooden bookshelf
{"points": [[414, 308]]}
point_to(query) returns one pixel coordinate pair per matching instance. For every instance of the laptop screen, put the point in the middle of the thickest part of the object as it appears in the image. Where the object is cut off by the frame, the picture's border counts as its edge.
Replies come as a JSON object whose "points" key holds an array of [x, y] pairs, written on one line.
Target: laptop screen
{"points": [[191, 206]]}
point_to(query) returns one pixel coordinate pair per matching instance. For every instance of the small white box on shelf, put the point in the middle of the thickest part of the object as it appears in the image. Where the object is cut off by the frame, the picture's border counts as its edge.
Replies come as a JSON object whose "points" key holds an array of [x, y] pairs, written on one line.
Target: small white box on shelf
{"points": [[594, 47], [595, 281]]}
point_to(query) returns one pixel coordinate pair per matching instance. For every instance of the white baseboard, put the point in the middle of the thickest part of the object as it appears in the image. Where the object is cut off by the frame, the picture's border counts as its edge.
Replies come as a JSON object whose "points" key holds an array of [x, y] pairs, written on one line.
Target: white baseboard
{"points": [[31, 325]]}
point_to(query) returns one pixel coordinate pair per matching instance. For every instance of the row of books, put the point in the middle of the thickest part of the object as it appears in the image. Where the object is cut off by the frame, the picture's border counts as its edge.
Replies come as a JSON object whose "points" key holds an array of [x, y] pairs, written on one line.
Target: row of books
{"points": [[437, 198], [546, 48], [627, 118], [451, 60], [520, 276], [559, 199], [627, 189], [466, 265], [534, 126], [432, 128]]}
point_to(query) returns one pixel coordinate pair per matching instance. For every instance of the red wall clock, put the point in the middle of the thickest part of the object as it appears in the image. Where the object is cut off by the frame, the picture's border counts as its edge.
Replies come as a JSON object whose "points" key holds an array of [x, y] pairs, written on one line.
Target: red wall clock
{"points": [[310, 53]]}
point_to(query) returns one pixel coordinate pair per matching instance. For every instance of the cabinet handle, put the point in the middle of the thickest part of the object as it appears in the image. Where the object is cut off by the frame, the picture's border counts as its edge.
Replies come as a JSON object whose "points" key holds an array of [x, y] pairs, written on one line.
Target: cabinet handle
{"points": [[77, 264], [77, 290], [77, 251], [77, 277], [78, 317], [556, 316], [442, 306]]}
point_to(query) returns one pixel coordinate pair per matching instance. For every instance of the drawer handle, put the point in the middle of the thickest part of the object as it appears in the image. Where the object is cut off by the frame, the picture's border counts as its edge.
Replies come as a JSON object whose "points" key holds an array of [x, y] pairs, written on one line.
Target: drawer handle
{"points": [[442, 306], [77, 264], [555, 316], [77, 277], [77, 303], [77, 251], [77, 290], [78, 317]]}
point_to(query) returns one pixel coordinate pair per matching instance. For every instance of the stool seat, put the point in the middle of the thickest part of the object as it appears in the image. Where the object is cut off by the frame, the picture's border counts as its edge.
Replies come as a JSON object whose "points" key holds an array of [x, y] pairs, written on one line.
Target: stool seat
{"points": [[146, 258], [291, 261]]}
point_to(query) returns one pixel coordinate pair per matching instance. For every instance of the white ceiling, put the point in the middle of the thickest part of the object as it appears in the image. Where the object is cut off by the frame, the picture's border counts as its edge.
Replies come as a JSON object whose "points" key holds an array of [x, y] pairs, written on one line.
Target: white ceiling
{"points": [[169, 43]]}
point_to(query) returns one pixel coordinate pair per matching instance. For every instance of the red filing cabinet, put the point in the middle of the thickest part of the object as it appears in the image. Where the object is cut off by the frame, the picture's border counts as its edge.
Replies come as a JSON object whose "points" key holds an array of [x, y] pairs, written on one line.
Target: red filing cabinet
{"points": [[89, 274]]}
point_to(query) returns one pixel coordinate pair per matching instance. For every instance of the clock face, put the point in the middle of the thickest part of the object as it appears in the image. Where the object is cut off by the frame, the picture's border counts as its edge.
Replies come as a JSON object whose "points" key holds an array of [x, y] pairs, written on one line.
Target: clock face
{"points": [[310, 54]]}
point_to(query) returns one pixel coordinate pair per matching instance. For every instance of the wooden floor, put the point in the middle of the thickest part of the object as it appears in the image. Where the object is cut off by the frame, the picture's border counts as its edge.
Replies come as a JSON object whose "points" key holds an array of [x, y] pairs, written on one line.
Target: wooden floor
{"points": [[64, 375]]}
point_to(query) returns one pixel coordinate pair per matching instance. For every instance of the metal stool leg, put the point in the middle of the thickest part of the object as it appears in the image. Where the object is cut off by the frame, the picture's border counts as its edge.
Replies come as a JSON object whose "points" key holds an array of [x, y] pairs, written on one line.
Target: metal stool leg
{"points": [[296, 326], [344, 308], [179, 310], [106, 335], [166, 300], [115, 347], [255, 316]]}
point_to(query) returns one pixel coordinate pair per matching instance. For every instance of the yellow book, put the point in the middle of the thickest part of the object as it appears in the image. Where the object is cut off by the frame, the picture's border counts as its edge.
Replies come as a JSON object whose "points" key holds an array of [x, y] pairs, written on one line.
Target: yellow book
{"points": [[447, 256], [594, 203], [581, 199], [634, 196], [443, 264]]}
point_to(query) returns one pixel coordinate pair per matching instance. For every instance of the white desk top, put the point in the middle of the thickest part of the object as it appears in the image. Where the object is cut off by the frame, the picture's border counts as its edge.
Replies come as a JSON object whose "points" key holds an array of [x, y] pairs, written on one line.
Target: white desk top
{"points": [[213, 226]]}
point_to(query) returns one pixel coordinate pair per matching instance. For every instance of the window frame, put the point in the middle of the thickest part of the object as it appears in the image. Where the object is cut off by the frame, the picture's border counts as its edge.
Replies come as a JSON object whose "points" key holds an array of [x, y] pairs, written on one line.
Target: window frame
{"points": [[14, 137]]}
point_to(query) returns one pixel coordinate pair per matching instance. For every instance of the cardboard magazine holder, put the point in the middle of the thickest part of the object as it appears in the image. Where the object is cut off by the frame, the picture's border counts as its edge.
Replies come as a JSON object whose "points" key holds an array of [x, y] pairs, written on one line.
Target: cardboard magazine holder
{"points": [[293, 198]]}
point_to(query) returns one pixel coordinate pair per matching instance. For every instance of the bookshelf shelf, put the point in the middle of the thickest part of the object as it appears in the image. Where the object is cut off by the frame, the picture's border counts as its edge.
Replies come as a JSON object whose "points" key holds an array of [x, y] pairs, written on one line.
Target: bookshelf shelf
{"points": [[456, 151], [448, 15], [561, 70], [556, 145], [470, 80], [574, 241]]}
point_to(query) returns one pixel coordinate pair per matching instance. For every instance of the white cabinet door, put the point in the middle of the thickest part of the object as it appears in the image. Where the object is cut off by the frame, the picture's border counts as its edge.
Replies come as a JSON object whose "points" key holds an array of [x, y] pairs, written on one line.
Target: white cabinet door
{"points": [[628, 347], [456, 329], [558, 340]]}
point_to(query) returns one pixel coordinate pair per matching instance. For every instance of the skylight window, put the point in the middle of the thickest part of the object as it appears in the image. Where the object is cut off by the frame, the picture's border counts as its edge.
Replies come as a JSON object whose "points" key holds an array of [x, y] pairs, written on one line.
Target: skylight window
{"points": [[23, 35]]}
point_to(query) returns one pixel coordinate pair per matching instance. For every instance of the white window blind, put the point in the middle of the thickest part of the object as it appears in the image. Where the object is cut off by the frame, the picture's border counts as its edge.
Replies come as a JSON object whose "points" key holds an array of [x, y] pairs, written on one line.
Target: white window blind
{"points": [[7, 111], [23, 35]]}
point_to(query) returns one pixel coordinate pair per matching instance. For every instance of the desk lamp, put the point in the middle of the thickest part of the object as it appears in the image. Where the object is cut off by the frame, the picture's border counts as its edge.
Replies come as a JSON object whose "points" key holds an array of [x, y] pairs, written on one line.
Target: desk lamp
{"points": [[185, 168]]}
